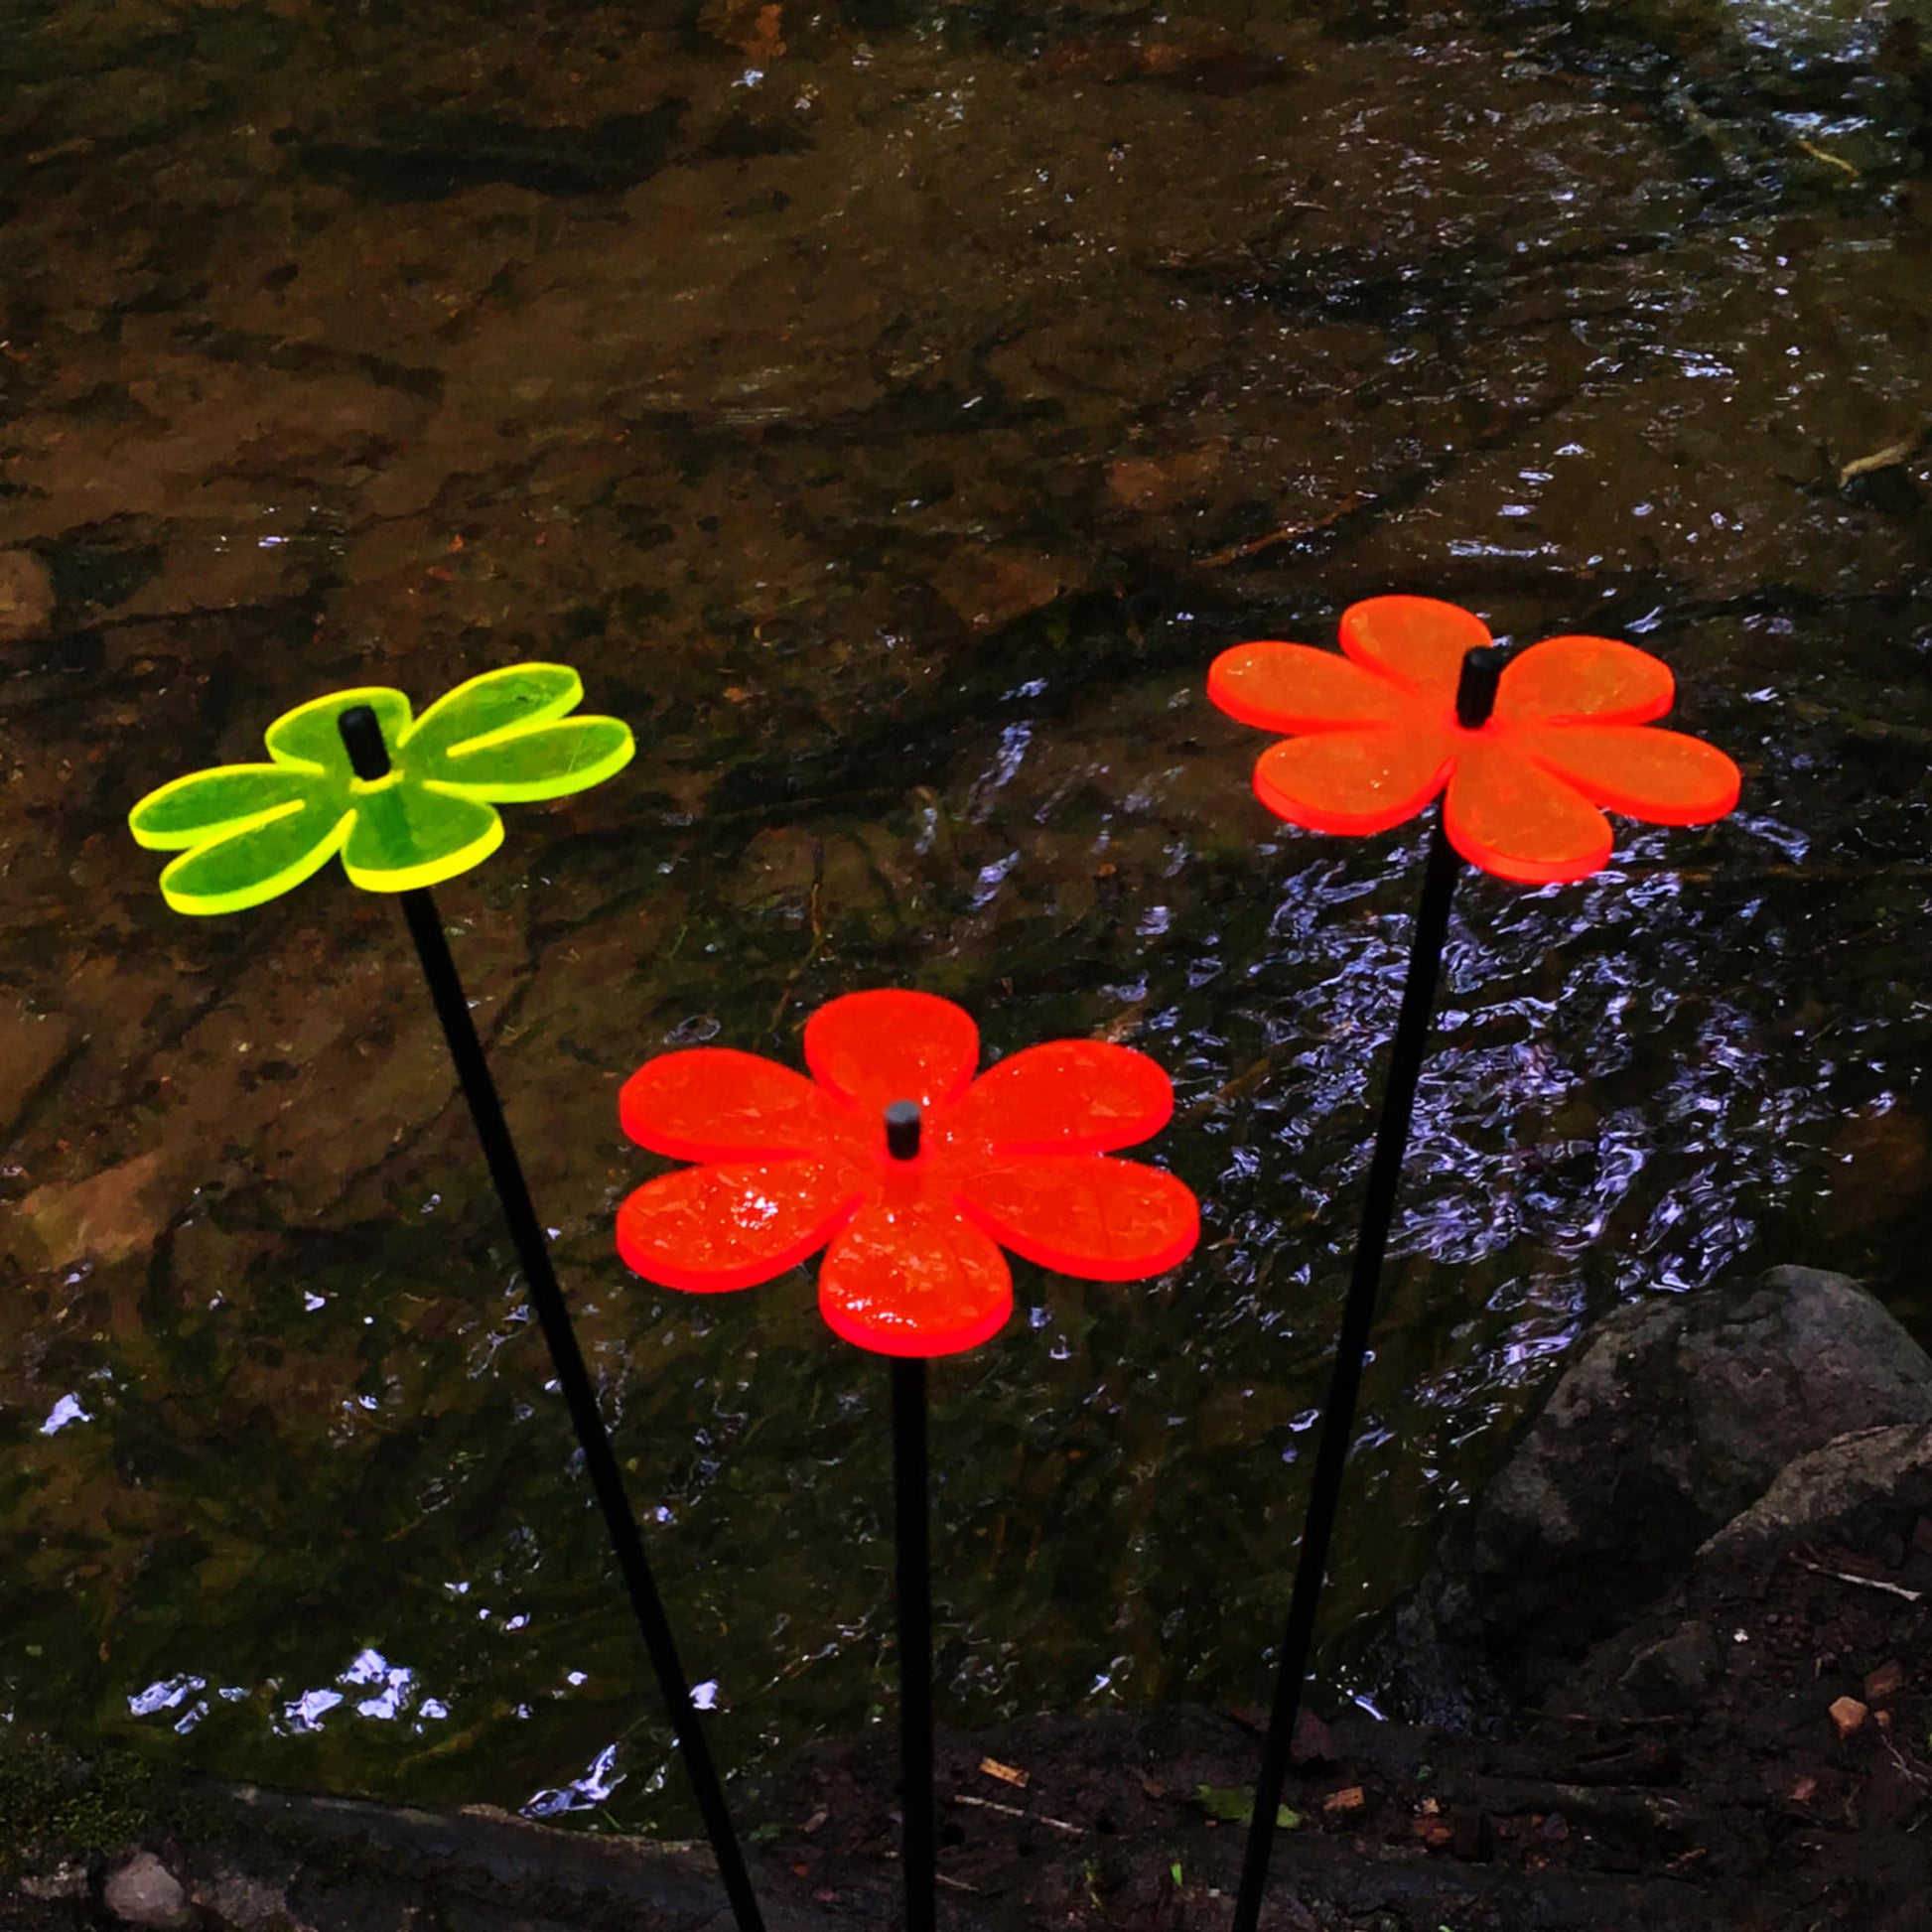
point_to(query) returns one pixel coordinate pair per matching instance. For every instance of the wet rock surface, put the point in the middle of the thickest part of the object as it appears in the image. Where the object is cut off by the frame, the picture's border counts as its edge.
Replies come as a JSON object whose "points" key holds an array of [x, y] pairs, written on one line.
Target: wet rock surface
{"points": [[141, 1890], [26, 596], [1673, 1418], [1871, 1471]]}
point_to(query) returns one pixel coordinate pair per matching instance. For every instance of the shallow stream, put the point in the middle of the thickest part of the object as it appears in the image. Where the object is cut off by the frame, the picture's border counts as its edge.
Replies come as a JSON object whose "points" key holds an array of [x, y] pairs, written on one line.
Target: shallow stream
{"points": [[891, 410]]}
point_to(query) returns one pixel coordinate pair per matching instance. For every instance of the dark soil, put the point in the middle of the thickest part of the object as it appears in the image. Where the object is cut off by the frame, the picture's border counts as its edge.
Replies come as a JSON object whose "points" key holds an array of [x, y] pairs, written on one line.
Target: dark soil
{"points": [[1741, 1807]]}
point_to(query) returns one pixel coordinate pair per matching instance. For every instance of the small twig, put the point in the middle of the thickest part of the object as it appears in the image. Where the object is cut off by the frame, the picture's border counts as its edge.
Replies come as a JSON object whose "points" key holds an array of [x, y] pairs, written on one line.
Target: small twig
{"points": [[1707, 130], [1014, 1811], [1231, 1089], [818, 938], [1865, 1583], [1829, 160], [1906, 447], [1907, 1769], [958, 1884], [1253, 547]]}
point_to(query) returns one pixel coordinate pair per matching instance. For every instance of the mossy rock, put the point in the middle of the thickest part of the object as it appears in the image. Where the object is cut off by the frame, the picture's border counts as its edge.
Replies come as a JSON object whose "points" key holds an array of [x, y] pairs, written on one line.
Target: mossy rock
{"points": [[54, 1801]]}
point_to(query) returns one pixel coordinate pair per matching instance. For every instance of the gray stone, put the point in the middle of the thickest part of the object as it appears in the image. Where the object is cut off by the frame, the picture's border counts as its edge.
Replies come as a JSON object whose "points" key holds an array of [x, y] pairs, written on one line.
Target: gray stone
{"points": [[1675, 1415], [141, 1890], [1675, 1674], [1817, 1499], [242, 1903]]}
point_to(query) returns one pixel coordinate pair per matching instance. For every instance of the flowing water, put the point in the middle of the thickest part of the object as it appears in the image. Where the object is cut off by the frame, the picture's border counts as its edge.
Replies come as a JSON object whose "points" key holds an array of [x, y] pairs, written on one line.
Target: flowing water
{"points": [[891, 409]]}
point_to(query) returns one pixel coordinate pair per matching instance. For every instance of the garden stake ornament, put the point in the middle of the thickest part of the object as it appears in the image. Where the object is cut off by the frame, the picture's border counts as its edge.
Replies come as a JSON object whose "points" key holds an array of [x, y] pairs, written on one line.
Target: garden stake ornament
{"points": [[409, 804], [911, 1174], [1527, 751]]}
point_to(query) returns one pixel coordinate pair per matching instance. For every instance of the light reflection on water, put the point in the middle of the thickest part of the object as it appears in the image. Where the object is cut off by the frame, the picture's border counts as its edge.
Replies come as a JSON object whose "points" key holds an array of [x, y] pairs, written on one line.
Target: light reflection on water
{"points": [[590, 1792]]}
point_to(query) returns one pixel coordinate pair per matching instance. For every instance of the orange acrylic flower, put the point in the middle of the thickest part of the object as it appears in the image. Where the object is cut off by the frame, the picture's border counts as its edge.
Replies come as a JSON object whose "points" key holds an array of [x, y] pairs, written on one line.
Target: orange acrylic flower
{"points": [[914, 1267], [1377, 738]]}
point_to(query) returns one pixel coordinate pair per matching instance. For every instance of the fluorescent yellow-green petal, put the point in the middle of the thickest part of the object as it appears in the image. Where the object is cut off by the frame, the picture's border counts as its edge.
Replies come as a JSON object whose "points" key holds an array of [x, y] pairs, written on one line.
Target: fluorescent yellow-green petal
{"points": [[310, 734], [219, 803], [544, 762], [248, 867], [511, 699], [409, 835]]}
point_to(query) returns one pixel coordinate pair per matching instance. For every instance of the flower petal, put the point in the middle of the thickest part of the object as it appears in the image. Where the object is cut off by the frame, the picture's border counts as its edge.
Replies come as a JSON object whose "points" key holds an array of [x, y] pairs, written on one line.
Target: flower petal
{"points": [[1104, 1220], [258, 863], [714, 1103], [1418, 640], [1292, 688], [511, 699], [309, 733], [707, 1229], [917, 1279], [1597, 678], [217, 803], [1068, 1096], [1353, 781], [540, 762], [873, 1048], [1505, 813], [408, 835], [1664, 777]]}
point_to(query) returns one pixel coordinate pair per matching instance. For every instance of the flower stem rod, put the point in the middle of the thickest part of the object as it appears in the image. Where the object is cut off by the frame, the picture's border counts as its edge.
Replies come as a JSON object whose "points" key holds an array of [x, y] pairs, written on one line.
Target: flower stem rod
{"points": [[362, 739], [1351, 1351], [902, 1130], [912, 1542], [486, 1110], [1476, 688]]}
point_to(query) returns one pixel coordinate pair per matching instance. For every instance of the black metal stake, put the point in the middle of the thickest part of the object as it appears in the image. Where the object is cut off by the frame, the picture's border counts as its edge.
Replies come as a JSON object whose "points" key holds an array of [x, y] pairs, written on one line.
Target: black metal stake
{"points": [[911, 1542], [362, 735], [1474, 698]]}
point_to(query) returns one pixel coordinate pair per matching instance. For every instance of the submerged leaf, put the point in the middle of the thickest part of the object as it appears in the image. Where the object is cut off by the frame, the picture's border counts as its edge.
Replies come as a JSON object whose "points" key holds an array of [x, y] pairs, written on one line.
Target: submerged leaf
{"points": [[1234, 1803]]}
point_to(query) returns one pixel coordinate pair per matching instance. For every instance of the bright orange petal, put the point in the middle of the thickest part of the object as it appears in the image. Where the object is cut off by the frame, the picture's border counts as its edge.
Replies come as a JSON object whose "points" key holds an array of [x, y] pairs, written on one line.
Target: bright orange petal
{"points": [[713, 1103], [1597, 678], [1353, 781], [711, 1228], [1291, 688], [1418, 640], [1508, 815], [914, 1279], [1662, 776], [876, 1048], [1104, 1220], [1068, 1096]]}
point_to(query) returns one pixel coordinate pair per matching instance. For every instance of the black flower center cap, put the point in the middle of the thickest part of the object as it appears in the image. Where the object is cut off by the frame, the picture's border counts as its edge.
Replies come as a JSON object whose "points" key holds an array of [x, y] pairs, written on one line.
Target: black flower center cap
{"points": [[902, 1130]]}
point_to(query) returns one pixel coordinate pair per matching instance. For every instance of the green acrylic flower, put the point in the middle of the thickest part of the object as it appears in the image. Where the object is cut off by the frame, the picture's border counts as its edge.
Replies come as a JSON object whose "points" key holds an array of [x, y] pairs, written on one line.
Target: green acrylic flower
{"points": [[252, 831]]}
